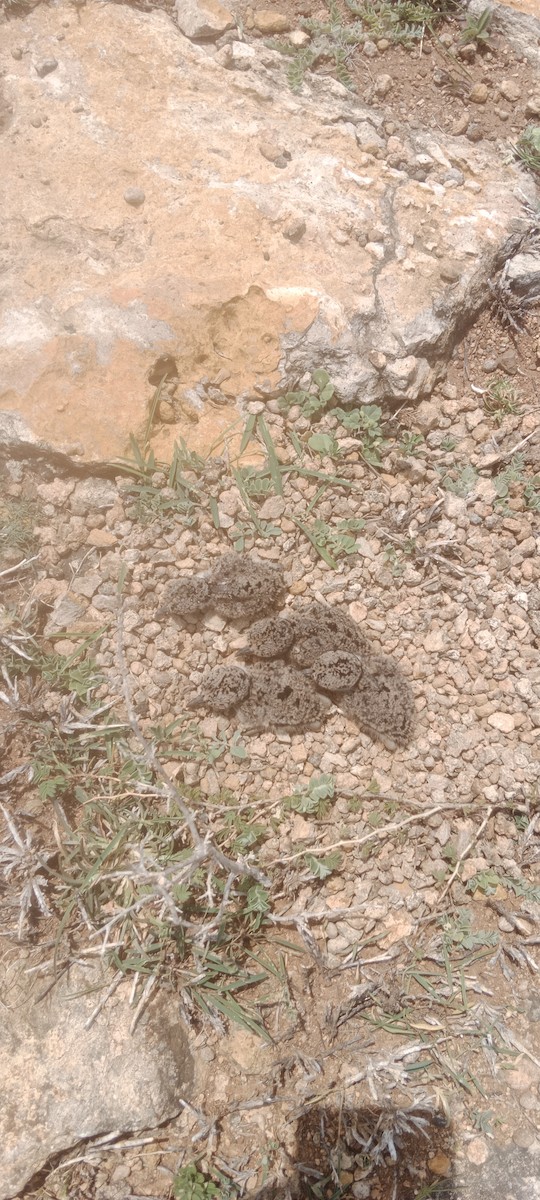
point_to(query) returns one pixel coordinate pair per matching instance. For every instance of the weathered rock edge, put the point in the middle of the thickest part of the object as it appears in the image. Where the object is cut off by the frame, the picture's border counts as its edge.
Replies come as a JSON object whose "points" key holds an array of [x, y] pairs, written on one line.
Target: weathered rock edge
{"points": [[64, 1080]]}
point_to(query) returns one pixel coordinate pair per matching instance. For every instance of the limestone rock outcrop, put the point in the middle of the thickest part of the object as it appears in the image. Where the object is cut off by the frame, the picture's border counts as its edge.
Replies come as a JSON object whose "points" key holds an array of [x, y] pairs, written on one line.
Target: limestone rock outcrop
{"points": [[161, 200]]}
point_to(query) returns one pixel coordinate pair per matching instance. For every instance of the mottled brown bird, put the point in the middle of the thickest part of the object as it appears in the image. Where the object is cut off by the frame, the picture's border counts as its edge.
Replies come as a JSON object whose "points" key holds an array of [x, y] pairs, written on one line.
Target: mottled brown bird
{"points": [[222, 689]]}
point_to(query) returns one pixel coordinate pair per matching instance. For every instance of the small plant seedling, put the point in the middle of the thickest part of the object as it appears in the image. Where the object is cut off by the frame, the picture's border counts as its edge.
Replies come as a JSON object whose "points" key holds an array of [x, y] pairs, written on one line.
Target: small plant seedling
{"points": [[321, 868], [510, 475], [458, 934], [501, 398], [464, 483], [312, 400], [190, 1184], [314, 800], [410, 444], [17, 520], [331, 542], [324, 444], [527, 148], [365, 422], [531, 492], [484, 1121], [448, 443], [478, 28]]}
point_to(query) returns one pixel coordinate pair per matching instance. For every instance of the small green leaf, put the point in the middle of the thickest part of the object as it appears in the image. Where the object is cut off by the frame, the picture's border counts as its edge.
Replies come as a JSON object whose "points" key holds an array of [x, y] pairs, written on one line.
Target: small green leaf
{"points": [[322, 787], [320, 868], [215, 512], [323, 443]]}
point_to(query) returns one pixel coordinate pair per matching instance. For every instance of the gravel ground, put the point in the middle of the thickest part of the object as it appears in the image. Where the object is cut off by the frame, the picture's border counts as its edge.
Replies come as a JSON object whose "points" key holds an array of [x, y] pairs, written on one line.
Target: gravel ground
{"points": [[431, 836]]}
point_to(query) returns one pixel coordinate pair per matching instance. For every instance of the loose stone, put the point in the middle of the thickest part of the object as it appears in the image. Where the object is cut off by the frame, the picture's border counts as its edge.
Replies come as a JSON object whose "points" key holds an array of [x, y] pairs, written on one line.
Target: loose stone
{"points": [[134, 196]]}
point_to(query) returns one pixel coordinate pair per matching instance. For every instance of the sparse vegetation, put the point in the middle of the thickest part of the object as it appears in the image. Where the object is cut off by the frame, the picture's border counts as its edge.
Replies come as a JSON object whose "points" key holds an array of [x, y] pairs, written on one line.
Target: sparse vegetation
{"points": [[511, 478], [313, 399], [18, 518], [191, 1184], [462, 481], [191, 891], [477, 29], [527, 148], [501, 398], [410, 443], [335, 40]]}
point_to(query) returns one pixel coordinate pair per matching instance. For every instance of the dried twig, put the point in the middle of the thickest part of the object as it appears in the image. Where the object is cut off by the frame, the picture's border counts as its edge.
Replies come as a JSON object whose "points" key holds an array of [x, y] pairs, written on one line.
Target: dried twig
{"points": [[465, 852]]}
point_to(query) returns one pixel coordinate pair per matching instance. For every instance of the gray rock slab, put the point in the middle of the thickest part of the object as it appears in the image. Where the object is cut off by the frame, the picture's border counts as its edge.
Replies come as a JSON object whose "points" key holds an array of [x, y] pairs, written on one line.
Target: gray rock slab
{"points": [[62, 1080], [509, 1173]]}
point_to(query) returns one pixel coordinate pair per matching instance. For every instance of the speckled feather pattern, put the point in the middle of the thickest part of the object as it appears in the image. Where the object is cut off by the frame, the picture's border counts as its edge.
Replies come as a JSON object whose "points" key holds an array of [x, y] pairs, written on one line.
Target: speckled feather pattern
{"points": [[298, 664]]}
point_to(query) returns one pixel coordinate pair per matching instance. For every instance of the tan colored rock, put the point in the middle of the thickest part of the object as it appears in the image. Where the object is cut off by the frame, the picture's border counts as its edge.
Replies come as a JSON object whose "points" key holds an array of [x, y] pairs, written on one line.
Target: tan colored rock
{"points": [[478, 1151], [96, 290], [502, 721], [479, 93], [269, 20], [440, 1164], [435, 641], [103, 539], [300, 828], [510, 89], [299, 38], [203, 18], [396, 926]]}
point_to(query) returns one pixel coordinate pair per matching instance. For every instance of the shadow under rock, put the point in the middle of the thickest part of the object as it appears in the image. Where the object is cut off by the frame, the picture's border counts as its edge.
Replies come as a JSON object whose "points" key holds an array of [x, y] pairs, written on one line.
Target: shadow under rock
{"points": [[369, 1154]]}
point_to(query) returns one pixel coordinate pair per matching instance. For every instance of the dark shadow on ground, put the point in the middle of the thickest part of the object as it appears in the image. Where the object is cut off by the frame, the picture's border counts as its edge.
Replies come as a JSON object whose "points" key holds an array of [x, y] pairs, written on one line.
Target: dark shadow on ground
{"points": [[369, 1154]]}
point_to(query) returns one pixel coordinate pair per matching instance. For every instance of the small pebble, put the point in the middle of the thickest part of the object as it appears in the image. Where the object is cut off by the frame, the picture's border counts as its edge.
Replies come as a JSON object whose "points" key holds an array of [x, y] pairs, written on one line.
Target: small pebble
{"points": [[477, 1151], [524, 1138], [134, 196], [478, 93], [44, 68]]}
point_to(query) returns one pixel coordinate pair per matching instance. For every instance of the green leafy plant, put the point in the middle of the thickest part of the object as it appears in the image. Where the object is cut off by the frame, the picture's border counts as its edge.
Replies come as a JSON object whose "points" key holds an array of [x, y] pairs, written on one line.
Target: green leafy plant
{"points": [[324, 444], [256, 481], [332, 541], [312, 400], [401, 21], [464, 482], [18, 518], [484, 1122], [178, 493], [332, 42], [477, 29], [314, 799], [448, 443], [527, 148], [510, 475], [531, 492], [458, 932], [396, 556], [321, 868], [190, 1184], [501, 398], [410, 444], [365, 423]]}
